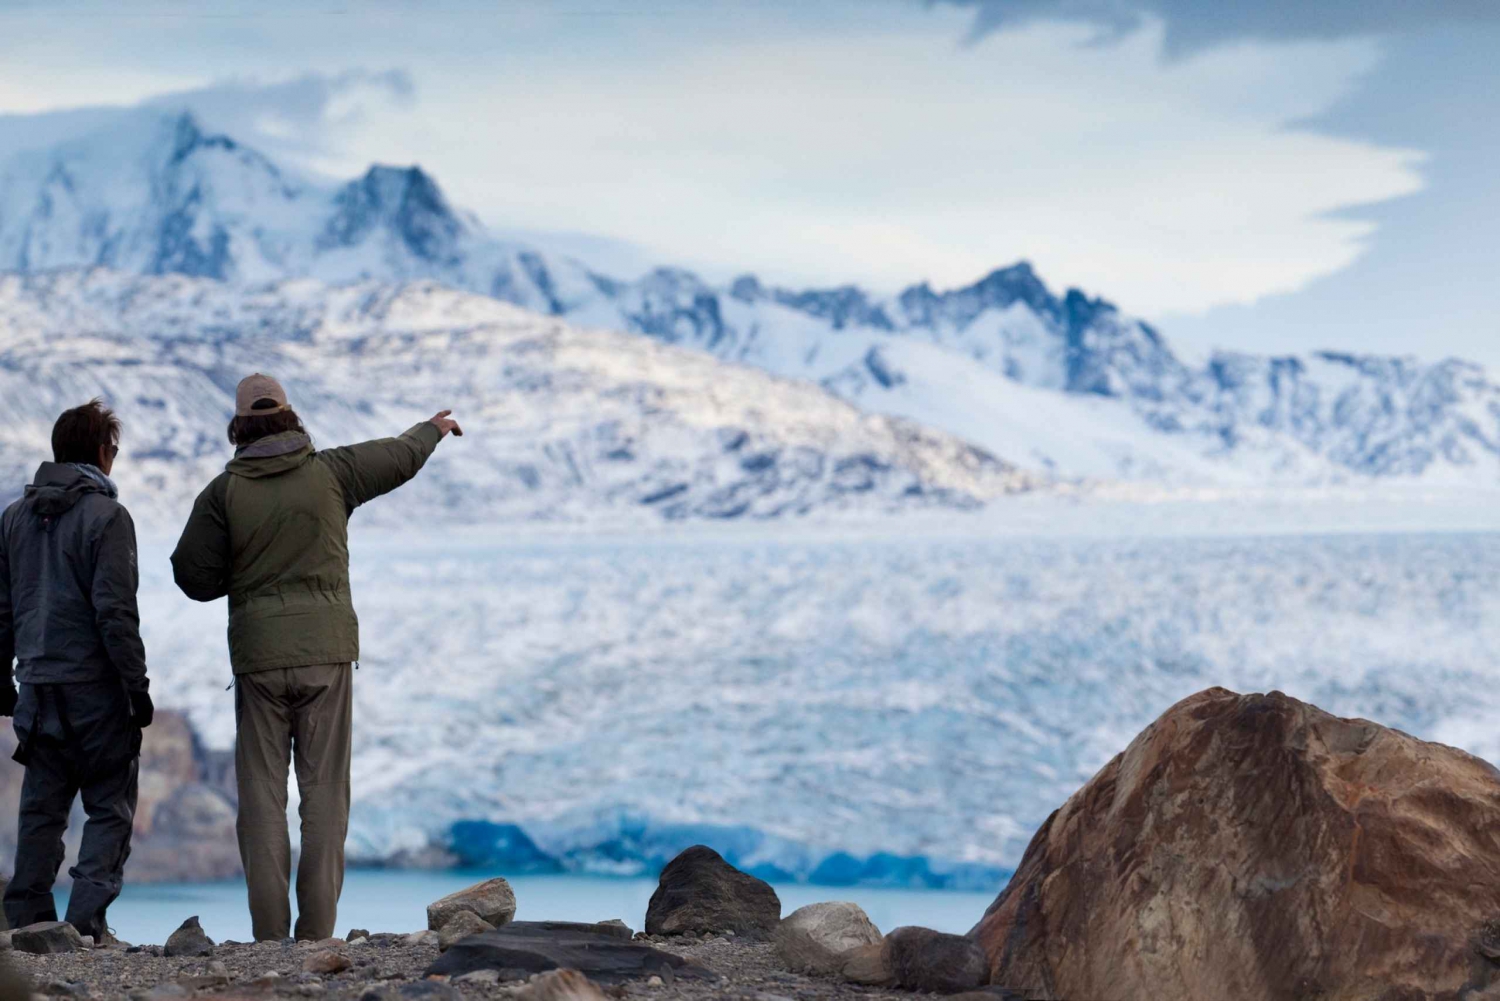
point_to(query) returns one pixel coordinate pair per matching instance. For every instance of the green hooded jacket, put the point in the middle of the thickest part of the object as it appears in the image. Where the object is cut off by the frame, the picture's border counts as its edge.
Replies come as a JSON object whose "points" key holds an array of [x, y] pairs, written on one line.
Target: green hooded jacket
{"points": [[272, 533]]}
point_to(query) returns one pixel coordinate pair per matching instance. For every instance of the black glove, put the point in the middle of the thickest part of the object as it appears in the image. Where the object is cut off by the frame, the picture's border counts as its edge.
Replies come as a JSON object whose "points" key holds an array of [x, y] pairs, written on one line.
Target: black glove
{"points": [[141, 709], [8, 699]]}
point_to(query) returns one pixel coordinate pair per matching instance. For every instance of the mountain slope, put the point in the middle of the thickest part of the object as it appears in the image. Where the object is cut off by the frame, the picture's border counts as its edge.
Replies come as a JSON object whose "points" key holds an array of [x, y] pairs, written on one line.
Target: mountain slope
{"points": [[569, 424], [1064, 382]]}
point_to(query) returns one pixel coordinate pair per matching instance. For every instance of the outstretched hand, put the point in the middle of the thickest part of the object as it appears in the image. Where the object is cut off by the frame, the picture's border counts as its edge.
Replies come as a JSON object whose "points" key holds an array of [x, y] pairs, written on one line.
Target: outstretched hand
{"points": [[442, 423]]}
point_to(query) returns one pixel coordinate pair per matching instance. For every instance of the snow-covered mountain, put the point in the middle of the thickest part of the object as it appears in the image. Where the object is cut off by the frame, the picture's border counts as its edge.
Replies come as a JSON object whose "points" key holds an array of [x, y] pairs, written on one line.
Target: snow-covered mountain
{"points": [[1061, 382], [571, 424]]}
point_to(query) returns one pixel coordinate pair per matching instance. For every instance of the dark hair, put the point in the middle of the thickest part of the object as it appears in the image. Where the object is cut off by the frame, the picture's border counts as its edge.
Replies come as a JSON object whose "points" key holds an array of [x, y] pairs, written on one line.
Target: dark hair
{"points": [[80, 433], [245, 430]]}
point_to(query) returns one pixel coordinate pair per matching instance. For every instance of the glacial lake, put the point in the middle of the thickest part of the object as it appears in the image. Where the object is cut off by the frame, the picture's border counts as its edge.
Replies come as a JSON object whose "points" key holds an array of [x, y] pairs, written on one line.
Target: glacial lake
{"points": [[396, 901]]}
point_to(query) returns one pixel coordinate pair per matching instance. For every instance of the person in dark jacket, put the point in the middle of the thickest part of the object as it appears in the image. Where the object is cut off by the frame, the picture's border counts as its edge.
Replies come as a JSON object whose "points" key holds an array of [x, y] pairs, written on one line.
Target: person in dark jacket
{"points": [[68, 619], [272, 533]]}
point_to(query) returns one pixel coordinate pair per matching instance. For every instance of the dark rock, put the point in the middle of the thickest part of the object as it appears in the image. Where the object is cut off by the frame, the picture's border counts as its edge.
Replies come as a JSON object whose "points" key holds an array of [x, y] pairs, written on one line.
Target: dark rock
{"points": [[355, 933], [700, 892], [1252, 846], [921, 959], [615, 928], [189, 940], [519, 952], [422, 990], [47, 937]]}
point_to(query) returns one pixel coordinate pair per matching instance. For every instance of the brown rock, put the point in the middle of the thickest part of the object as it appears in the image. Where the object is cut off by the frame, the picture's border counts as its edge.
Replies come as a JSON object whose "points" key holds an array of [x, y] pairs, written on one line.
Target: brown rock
{"points": [[1250, 847], [326, 961], [491, 900], [868, 965], [921, 959], [459, 927]]}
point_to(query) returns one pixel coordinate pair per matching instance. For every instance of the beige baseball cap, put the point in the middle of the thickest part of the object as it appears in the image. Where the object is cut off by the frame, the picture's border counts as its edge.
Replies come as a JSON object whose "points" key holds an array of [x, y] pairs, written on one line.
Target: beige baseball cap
{"points": [[252, 390]]}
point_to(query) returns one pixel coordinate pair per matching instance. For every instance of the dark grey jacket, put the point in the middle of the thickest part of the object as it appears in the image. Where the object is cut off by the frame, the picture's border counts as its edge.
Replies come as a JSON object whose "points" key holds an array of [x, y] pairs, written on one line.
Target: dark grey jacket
{"points": [[68, 579]]}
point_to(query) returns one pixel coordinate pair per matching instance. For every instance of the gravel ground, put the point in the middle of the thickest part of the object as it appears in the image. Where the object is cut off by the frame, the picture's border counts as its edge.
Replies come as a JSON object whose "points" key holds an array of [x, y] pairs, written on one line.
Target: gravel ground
{"points": [[749, 971]]}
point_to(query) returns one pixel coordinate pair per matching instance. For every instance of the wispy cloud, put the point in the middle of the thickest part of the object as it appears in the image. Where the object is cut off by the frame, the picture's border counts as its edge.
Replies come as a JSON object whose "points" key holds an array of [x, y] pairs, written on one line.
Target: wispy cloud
{"points": [[1193, 25]]}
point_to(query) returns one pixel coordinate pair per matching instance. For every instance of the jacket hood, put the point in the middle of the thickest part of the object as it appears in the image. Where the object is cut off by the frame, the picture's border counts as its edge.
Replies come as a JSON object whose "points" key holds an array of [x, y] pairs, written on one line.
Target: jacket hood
{"points": [[59, 486], [271, 456]]}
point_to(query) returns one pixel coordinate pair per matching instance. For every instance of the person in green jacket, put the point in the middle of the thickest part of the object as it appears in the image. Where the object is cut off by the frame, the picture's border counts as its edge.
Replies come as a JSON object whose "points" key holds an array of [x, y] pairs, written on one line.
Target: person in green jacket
{"points": [[272, 533]]}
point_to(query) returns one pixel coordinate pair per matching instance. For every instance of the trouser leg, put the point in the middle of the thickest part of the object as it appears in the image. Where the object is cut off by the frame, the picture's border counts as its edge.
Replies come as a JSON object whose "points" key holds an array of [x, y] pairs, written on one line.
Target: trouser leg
{"points": [[100, 872], [262, 756], [47, 793], [321, 733]]}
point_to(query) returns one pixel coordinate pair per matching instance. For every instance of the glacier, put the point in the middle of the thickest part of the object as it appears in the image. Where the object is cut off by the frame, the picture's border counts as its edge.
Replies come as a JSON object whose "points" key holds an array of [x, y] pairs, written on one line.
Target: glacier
{"points": [[889, 708]]}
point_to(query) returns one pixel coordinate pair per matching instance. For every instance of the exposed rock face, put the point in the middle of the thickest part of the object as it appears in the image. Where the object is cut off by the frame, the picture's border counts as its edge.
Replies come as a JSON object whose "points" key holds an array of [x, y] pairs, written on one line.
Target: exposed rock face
{"points": [[700, 892], [184, 821], [1252, 846], [492, 901], [189, 940], [47, 937], [815, 938]]}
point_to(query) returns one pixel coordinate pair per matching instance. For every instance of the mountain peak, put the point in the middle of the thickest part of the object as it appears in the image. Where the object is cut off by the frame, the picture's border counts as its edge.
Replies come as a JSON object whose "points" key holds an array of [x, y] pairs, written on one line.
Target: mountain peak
{"points": [[405, 201]]}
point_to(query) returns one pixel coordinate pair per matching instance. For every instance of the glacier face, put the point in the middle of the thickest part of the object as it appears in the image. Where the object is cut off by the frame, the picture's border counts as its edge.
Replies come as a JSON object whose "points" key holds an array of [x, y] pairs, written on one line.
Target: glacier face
{"points": [[1060, 382], [902, 710], [570, 425]]}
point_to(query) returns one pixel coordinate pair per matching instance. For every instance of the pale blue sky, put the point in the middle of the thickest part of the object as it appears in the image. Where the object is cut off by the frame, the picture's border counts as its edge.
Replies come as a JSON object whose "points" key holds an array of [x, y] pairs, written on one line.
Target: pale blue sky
{"points": [[1290, 175]]}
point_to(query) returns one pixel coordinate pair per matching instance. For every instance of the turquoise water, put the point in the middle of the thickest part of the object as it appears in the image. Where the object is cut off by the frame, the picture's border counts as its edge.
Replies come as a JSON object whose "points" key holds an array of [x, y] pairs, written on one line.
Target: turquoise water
{"points": [[397, 901]]}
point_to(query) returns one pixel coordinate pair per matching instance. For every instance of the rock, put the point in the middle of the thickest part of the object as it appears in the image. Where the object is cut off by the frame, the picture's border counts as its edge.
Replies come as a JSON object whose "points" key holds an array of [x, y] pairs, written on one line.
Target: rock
{"points": [[868, 965], [13, 983], [201, 981], [47, 937], [921, 959], [64, 988], [355, 933], [700, 892], [459, 927], [427, 938], [519, 951], [217, 968], [615, 928], [482, 977], [326, 961], [189, 940], [491, 900], [1252, 846], [561, 985], [5, 945], [422, 990], [815, 938]]}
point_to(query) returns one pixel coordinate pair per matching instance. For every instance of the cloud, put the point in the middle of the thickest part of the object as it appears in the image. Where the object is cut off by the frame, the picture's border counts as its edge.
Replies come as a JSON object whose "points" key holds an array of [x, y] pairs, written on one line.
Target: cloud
{"points": [[1195, 25], [305, 118]]}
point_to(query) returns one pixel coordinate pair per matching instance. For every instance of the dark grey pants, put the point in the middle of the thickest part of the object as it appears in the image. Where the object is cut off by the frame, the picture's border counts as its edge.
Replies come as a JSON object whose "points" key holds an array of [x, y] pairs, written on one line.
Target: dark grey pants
{"points": [[76, 741]]}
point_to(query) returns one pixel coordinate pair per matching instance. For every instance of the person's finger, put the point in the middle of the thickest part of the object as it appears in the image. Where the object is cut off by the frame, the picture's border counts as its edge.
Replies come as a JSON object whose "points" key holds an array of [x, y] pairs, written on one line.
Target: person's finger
{"points": [[458, 432], [443, 413]]}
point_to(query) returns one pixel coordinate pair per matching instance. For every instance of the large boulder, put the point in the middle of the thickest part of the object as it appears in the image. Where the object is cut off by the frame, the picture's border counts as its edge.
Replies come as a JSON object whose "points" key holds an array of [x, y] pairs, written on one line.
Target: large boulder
{"points": [[815, 938], [1252, 846], [492, 901], [459, 927], [700, 892]]}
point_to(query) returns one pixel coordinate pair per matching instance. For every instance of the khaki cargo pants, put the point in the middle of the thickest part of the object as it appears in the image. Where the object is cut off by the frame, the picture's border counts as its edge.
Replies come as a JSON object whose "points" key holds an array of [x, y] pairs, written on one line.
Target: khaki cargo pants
{"points": [[302, 714]]}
